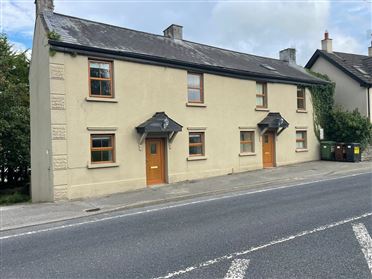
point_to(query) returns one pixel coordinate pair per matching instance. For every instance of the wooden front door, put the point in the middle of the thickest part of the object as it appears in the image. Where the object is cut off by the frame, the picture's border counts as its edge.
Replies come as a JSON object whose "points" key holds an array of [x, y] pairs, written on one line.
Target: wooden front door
{"points": [[155, 161], [268, 150]]}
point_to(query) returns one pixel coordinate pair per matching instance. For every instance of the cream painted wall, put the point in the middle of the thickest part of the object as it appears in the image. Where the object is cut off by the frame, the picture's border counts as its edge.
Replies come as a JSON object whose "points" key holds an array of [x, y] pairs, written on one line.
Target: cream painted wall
{"points": [[41, 174], [348, 93], [140, 91]]}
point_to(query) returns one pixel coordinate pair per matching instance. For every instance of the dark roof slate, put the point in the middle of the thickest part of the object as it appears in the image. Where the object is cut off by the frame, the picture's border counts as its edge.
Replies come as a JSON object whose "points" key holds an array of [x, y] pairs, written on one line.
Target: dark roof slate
{"points": [[273, 120], [159, 123], [347, 62], [81, 33]]}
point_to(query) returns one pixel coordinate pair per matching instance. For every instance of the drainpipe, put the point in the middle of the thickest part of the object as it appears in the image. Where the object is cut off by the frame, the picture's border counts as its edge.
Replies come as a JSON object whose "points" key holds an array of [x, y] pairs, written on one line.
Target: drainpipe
{"points": [[369, 104]]}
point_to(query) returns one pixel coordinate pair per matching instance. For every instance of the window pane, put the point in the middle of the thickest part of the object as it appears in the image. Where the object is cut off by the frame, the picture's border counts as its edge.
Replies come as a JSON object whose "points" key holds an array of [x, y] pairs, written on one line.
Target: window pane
{"points": [[193, 81], [260, 88], [106, 87], [153, 148], [95, 86], [107, 155], [101, 141], [246, 136], [300, 103], [94, 72], [195, 150], [300, 93], [195, 138], [300, 145], [96, 156], [105, 73], [194, 95], [246, 147], [299, 135], [259, 101]]}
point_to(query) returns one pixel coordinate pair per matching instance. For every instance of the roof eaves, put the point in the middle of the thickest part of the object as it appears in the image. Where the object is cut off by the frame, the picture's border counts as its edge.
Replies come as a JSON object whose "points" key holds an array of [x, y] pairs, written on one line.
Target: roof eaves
{"points": [[69, 47]]}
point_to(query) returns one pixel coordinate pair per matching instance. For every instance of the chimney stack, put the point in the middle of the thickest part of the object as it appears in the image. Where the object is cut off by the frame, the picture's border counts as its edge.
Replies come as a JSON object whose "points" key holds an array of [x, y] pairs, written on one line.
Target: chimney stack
{"points": [[44, 5], [370, 50], [327, 43], [288, 55], [174, 31]]}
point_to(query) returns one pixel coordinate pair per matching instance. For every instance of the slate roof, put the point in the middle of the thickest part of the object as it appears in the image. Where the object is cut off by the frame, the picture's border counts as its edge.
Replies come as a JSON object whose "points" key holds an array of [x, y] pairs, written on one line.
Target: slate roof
{"points": [[77, 33], [273, 120], [159, 123], [346, 62]]}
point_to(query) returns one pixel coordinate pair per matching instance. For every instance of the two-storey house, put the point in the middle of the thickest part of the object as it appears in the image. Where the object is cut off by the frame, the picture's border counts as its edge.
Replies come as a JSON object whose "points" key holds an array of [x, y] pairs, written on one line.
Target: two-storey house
{"points": [[114, 109]]}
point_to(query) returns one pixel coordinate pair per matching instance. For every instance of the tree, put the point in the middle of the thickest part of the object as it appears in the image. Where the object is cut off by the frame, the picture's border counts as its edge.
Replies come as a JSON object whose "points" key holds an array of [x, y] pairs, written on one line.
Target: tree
{"points": [[14, 116]]}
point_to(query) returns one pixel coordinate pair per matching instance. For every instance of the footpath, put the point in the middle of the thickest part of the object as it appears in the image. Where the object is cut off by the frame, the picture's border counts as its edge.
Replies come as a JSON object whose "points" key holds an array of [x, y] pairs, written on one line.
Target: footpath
{"points": [[28, 214]]}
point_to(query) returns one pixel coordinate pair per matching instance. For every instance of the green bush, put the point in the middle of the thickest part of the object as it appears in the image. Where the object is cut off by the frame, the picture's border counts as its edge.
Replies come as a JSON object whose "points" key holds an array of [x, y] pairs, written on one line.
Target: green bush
{"points": [[346, 126], [16, 197]]}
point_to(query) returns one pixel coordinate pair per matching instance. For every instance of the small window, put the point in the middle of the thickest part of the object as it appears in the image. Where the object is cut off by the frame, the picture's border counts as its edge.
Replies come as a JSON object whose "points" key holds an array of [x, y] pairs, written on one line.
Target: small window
{"points": [[246, 142], [100, 79], [196, 144], [261, 95], [301, 139], [102, 148], [195, 88], [301, 101]]}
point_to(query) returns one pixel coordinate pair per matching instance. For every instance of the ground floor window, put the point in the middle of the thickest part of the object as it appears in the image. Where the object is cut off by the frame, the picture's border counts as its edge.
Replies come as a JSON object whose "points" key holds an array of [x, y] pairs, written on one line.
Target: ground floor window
{"points": [[102, 148], [301, 139], [196, 144], [246, 142]]}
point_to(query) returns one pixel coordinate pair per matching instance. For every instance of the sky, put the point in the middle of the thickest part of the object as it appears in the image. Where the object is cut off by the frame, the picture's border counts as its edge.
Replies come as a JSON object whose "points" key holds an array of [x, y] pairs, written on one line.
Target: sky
{"points": [[256, 27]]}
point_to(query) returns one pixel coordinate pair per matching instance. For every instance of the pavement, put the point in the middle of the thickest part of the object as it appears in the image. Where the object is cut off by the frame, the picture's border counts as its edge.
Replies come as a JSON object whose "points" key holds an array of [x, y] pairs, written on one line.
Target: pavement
{"points": [[24, 215], [317, 229]]}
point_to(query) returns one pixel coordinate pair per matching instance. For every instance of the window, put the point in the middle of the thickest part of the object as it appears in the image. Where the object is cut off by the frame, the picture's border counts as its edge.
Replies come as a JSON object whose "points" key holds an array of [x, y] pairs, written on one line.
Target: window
{"points": [[261, 95], [301, 103], [100, 79], [301, 141], [246, 142], [196, 144], [102, 148], [195, 88]]}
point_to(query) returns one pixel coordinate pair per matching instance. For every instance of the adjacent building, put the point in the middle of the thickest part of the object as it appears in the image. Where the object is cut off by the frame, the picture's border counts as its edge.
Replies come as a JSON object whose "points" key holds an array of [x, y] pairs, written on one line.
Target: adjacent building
{"points": [[114, 109], [352, 74]]}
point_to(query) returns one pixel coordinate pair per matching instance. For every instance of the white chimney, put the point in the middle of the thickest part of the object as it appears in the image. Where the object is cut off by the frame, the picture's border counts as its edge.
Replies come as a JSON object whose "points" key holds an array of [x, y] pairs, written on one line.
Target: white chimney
{"points": [[370, 50], [327, 43], [44, 5], [288, 55], [174, 31]]}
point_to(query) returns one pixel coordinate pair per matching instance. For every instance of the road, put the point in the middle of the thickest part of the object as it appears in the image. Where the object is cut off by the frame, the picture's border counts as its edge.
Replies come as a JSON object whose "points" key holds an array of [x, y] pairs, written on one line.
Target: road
{"points": [[313, 230]]}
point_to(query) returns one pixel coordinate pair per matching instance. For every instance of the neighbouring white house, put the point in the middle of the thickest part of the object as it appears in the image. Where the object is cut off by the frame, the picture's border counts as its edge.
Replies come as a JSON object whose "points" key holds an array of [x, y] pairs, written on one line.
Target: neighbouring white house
{"points": [[352, 74]]}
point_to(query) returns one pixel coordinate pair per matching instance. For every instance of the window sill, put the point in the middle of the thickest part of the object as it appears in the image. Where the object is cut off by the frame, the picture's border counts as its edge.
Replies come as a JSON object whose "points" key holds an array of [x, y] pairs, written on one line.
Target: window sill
{"points": [[201, 105], [261, 109], [301, 111], [302, 150], [102, 165], [97, 99], [247, 154], [196, 158]]}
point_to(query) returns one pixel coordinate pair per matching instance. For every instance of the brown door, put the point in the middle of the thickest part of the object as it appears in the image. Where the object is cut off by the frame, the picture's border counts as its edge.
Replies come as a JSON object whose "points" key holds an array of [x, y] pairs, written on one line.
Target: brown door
{"points": [[268, 150], [155, 171]]}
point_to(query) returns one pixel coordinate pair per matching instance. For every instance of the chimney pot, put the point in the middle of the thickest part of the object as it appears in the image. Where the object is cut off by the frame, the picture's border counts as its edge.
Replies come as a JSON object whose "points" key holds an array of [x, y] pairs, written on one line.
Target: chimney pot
{"points": [[288, 55], [327, 43], [44, 5], [370, 50], [174, 31]]}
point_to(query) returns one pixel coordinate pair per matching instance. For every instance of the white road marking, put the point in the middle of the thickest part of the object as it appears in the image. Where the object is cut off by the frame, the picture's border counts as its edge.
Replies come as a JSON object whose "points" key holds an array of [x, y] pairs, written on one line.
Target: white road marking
{"points": [[256, 248], [365, 242], [172, 206], [237, 269]]}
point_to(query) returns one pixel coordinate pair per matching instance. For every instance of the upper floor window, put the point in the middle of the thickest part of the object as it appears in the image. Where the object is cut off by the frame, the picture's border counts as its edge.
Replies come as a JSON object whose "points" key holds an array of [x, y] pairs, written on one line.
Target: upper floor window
{"points": [[195, 88], [301, 139], [301, 101], [196, 144], [246, 142], [261, 95], [100, 79], [102, 148]]}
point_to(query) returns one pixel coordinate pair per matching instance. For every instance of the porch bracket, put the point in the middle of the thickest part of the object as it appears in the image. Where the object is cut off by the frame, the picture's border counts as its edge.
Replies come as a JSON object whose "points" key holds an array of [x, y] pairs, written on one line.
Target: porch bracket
{"points": [[141, 140], [263, 131]]}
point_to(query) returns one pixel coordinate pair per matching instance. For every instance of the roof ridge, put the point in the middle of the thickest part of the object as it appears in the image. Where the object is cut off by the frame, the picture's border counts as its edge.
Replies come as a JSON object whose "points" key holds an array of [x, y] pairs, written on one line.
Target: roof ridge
{"points": [[163, 37]]}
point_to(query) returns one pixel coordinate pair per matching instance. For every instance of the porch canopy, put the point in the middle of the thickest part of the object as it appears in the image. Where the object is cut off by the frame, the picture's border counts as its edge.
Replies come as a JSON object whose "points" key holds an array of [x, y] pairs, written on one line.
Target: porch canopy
{"points": [[273, 122], [159, 123]]}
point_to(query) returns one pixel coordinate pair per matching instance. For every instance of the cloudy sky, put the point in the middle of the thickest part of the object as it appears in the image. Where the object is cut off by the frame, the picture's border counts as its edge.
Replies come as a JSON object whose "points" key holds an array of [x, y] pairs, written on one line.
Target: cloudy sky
{"points": [[256, 27]]}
